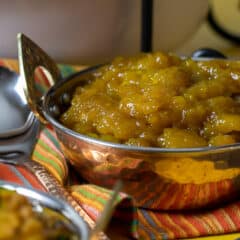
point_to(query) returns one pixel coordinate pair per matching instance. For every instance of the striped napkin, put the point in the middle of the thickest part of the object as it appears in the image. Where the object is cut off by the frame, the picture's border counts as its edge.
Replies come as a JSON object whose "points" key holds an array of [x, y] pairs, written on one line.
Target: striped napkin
{"points": [[137, 222]]}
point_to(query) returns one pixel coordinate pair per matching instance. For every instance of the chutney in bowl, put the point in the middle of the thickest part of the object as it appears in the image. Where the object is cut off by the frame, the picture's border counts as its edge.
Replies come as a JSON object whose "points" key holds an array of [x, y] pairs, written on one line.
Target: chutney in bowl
{"points": [[159, 100], [147, 120]]}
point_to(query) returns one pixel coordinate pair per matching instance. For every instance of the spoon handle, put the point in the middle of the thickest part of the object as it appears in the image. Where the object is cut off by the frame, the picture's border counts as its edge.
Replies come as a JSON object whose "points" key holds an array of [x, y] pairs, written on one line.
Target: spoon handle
{"points": [[31, 56], [56, 189]]}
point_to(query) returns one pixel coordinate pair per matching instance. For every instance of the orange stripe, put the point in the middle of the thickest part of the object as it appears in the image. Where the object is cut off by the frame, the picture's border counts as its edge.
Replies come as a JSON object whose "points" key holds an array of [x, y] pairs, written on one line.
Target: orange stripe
{"points": [[134, 187], [170, 229], [45, 138], [57, 151], [212, 187], [186, 225], [228, 187], [207, 194], [161, 190], [176, 198], [8, 175], [95, 191], [183, 196], [164, 197], [151, 229], [235, 215], [201, 224], [197, 197], [50, 169], [13, 65], [228, 220], [196, 227], [52, 152], [9, 63], [224, 224], [51, 156], [207, 218], [178, 229], [31, 178], [214, 191], [84, 200], [44, 78], [216, 223], [2, 63], [183, 200], [156, 220], [144, 235], [40, 79], [202, 199], [219, 189]]}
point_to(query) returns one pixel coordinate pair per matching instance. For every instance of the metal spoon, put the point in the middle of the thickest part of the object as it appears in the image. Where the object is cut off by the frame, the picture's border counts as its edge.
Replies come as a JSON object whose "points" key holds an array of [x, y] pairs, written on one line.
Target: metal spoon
{"points": [[19, 131], [16, 116], [17, 140], [18, 150]]}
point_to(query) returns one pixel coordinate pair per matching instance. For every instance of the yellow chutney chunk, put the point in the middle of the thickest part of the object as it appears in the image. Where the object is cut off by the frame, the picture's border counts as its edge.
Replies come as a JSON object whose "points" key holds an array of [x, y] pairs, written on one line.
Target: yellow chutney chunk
{"points": [[159, 100], [222, 140], [222, 123], [180, 138]]}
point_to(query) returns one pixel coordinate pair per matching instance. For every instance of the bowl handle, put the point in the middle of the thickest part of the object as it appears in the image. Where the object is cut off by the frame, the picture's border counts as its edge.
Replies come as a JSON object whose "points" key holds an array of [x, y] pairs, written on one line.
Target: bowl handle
{"points": [[30, 57], [207, 53]]}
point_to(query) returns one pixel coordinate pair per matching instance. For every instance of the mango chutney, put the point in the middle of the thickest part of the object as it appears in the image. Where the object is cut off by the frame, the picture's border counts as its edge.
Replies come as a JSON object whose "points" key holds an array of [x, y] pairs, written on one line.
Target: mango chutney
{"points": [[159, 100]]}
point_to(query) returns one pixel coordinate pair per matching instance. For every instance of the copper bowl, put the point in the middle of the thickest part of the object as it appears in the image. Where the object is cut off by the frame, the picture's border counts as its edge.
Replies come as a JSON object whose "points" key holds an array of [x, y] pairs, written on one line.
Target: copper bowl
{"points": [[103, 163]]}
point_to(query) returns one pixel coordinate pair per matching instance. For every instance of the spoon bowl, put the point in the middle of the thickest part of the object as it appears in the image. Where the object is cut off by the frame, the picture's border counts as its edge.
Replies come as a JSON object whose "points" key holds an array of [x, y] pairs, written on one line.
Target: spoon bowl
{"points": [[16, 116], [41, 202]]}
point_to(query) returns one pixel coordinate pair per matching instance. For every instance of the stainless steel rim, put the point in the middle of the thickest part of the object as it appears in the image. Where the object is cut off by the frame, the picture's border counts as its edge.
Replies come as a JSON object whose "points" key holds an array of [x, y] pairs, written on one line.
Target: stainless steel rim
{"points": [[60, 127], [52, 203]]}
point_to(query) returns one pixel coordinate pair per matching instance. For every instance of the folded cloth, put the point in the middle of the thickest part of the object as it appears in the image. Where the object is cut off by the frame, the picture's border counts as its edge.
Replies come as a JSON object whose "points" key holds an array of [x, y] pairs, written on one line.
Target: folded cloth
{"points": [[142, 223]]}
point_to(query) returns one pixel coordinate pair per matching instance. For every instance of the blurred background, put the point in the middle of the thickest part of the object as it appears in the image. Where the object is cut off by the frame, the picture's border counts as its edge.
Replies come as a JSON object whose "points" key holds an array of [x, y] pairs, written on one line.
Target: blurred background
{"points": [[89, 32], [226, 14]]}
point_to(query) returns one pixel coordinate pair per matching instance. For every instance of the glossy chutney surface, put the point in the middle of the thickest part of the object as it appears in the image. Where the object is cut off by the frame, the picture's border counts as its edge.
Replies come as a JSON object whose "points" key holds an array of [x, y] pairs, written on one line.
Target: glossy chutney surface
{"points": [[159, 100]]}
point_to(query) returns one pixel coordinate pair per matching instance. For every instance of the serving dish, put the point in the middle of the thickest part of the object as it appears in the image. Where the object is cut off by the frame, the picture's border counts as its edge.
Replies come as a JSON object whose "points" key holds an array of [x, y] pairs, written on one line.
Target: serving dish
{"points": [[45, 205], [103, 163]]}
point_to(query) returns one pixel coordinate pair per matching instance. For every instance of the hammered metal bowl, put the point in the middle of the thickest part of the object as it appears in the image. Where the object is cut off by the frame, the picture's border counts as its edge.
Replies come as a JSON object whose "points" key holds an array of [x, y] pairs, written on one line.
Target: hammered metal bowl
{"points": [[103, 163]]}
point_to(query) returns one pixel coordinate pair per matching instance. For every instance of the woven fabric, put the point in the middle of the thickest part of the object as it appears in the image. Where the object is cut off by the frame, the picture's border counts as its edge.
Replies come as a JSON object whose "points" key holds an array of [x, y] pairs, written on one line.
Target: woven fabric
{"points": [[140, 222]]}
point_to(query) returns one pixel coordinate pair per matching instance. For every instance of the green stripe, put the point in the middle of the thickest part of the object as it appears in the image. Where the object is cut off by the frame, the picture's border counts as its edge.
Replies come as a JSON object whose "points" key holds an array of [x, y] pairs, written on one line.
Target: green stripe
{"points": [[41, 89], [52, 138], [48, 148], [66, 70], [104, 190], [51, 162], [134, 226], [91, 196]]}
